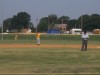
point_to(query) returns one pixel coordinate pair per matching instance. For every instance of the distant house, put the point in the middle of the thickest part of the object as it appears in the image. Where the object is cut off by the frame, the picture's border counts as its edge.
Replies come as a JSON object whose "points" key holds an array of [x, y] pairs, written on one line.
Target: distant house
{"points": [[61, 27]]}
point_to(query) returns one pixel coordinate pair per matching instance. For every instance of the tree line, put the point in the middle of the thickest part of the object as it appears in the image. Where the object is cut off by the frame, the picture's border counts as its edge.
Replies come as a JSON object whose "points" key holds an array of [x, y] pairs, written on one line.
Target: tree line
{"points": [[85, 22], [18, 22], [23, 21]]}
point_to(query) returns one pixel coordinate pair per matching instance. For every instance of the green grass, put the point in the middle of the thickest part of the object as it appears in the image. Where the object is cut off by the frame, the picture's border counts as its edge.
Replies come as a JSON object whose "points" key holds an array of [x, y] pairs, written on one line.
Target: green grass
{"points": [[46, 42], [49, 61]]}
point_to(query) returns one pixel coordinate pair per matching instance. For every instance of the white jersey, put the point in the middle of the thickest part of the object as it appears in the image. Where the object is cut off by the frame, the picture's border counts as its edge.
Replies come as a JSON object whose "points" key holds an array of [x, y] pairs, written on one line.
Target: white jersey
{"points": [[85, 36]]}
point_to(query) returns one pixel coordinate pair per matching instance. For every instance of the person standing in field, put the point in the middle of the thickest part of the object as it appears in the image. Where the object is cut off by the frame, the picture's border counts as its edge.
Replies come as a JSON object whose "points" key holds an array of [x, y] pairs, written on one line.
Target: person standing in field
{"points": [[38, 38], [16, 36], [85, 38]]}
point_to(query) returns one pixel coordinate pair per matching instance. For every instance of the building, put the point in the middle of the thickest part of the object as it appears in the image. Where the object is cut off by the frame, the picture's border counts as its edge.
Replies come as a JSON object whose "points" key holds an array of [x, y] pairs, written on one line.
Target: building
{"points": [[75, 31], [26, 31], [61, 27]]}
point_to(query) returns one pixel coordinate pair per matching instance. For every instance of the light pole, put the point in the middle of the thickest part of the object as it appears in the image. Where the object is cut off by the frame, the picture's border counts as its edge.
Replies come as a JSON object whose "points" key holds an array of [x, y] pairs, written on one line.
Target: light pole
{"points": [[36, 24], [81, 22], [62, 21], [48, 23], [2, 17], [29, 25]]}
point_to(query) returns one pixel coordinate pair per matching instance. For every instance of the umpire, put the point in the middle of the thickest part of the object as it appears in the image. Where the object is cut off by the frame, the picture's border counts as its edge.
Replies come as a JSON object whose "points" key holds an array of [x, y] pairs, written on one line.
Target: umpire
{"points": [[85, 38]]}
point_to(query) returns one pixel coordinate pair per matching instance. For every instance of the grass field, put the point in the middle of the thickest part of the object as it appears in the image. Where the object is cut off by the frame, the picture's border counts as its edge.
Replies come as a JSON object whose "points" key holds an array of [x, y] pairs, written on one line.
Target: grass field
{"points": [[49, 61], [46, 42]]}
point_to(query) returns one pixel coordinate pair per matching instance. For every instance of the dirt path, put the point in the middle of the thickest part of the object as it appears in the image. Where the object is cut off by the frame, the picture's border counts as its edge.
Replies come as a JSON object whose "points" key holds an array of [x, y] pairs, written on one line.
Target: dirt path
{"points": [[46, 46]]}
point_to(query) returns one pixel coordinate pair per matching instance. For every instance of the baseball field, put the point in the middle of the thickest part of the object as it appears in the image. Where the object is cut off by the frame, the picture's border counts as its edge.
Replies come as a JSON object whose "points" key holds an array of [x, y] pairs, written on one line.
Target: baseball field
{"points": [[52, 57]]}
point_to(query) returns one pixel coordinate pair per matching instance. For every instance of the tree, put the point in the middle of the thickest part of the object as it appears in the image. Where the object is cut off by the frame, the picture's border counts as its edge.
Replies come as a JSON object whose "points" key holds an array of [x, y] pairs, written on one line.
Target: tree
{"points": [[95, 19], [63, 19], [91, 22], [7, 24], [72, 24], [47, 23], [17, 22], [43, 25], [83, 21], [1, 29], [31, 26], [86, 22], [23, 19], [52, 20]]}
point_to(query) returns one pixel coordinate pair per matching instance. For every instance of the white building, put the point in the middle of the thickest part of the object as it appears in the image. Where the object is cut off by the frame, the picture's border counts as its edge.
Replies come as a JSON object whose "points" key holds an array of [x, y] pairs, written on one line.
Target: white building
{"points": [[75, 31]]}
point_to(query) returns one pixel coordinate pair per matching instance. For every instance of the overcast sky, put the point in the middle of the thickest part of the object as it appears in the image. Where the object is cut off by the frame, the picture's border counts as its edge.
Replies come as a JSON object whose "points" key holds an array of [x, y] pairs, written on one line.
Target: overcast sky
{"points": [[43, 8]]}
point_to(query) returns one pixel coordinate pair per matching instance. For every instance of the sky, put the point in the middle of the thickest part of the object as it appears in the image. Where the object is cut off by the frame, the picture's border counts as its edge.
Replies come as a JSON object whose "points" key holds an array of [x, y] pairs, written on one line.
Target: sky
{"points": [[43, 8]]}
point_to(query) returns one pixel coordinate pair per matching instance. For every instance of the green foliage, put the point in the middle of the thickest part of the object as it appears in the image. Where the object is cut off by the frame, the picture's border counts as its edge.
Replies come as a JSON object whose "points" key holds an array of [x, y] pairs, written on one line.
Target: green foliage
{"points": [[7, 24], [60, 37], [47, 37], [47, 23], [43, 25], [72, 24], [0, 29], [63, 20], [52, 19], [21, 20], [90, 22], [17, 22]]}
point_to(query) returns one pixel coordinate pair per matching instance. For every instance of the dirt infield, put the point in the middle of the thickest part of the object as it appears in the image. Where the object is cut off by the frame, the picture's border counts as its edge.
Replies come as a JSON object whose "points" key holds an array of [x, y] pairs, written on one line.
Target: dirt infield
{"points": [[46, 46]]}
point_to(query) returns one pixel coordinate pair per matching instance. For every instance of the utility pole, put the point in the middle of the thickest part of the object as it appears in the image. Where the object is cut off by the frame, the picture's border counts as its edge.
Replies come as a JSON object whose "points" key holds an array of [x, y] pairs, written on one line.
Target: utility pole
{"points": [[2, 17], [36, 24], [48, 23], [62, 21], [81, 22], [29, 25]]}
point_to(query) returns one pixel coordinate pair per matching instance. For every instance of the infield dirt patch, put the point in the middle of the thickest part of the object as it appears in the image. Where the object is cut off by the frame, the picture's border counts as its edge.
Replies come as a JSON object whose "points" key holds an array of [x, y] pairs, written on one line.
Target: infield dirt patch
{"points": [[46, 46]]}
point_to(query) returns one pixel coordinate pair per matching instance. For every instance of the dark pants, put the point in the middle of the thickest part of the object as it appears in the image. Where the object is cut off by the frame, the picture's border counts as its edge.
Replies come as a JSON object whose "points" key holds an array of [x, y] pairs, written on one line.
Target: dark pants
{"points": [[84, 44]]}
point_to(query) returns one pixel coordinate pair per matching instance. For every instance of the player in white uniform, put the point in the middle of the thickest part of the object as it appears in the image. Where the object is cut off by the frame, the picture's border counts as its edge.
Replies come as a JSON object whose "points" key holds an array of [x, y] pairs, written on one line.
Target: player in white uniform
{"points": [[85, 38]]}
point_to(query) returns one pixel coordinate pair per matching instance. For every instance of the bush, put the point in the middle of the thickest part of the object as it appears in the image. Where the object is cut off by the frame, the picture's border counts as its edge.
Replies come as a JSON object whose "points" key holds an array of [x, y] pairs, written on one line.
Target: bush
{"points": [[46, 37]]}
